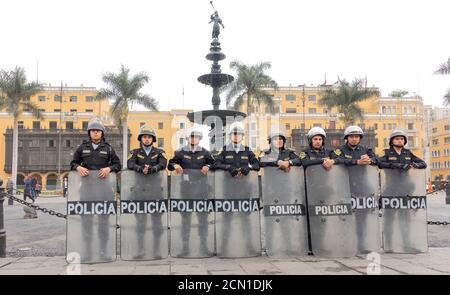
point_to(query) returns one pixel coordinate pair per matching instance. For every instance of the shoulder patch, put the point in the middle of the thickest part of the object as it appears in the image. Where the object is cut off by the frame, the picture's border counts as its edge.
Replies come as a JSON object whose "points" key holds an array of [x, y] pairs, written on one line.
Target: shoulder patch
{"points": [[338, 152], [302, 155], [130, 155]]}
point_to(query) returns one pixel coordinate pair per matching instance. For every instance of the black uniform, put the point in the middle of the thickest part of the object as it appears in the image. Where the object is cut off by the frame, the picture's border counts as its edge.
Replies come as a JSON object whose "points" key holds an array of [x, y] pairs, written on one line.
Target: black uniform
{"points": [[234, 159], [392, 160], [102, 157], [311, 156], [155, 159], [349, 156], [271, 157], [188, 159]]}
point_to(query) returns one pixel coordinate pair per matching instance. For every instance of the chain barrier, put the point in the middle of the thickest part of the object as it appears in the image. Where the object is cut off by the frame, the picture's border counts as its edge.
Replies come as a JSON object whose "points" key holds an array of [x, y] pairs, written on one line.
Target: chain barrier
{"points": [[37, 207]]}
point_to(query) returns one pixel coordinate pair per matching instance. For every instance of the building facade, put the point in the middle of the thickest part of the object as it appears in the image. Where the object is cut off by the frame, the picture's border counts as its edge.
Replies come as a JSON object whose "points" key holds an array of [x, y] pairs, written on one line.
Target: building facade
{"points": [[440, 150]]}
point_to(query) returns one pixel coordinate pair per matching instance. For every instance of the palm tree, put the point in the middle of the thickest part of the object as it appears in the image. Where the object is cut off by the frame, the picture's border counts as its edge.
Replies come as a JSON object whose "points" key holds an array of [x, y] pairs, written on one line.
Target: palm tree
{"points": [[398, 93], [345, 97], [15, 93], [249, 83], [124, 90], [444, 69]]}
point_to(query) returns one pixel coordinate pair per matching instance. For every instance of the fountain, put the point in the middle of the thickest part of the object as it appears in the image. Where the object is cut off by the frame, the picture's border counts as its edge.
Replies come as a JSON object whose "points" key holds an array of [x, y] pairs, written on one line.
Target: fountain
{"points": [[216, 119]]}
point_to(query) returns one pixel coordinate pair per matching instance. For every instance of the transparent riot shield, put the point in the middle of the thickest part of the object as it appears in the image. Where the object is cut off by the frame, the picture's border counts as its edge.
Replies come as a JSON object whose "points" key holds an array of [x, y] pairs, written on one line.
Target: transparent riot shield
{"points": [[192, 214], [144, 214], [237, 215], [403, 202], [365, 193], [91, 218], [283, 195], [330, 212]]}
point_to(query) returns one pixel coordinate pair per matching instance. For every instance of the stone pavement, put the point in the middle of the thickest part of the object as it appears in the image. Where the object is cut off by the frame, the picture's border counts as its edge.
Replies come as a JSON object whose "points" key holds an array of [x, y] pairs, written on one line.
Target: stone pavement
{"points": [[435, 262]]}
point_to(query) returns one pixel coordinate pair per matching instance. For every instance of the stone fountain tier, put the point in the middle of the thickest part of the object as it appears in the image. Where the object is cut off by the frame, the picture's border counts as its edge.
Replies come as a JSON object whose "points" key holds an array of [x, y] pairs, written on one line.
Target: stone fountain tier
{"points": [[215, 79], [210, 114]]}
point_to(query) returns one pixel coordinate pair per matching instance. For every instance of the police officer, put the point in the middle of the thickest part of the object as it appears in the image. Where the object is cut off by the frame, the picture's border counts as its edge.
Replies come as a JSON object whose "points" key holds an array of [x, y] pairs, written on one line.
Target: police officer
{"points": [[352, 152], [277, 155], [193, 157], [317, 153], [397, 157], [147, 160], [238, 160], [95, 154]]}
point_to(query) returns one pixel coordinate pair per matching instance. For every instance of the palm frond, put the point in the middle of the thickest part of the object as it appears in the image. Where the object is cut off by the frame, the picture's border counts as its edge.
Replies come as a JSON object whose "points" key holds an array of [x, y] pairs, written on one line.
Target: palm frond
{"points": [[444, 68]]}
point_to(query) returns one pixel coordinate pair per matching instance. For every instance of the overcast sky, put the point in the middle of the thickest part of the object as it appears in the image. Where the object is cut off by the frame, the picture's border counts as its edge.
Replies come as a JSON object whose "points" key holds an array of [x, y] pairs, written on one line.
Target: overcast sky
{"points": [[396, 44]]}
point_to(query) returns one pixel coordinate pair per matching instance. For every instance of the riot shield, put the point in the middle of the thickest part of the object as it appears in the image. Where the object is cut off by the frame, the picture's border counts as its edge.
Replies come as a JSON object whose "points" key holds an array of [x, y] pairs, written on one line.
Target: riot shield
{"points": [[365, 193], [91, 218], [237, 215], [403, 202], [192, 214], [330, 214], [143, 218], [283, 195]]}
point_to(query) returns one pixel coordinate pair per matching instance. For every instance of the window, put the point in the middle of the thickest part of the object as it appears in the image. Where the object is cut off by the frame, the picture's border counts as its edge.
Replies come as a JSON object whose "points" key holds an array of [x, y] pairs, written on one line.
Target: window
{"points": [[312, 110], [69, 125], [447, 140], [410, 126], [291, 110], [52, 125], [317, 125], [57, 98], [182, 125], [411, 141], [160, 125], [375, 126], [41, 98], [73, 99], [435, 141], [311, 98], [376, 142], [332, 125], [89, 110], [302, 126], [389, 126], [42, 110], [181, 141], [89, 98], [51, 143], [434, 130], [160, 142], [85, 125], [67, 143], [36, 125], [57, 110], [288, 126], [447, 127], [34, 143], [73, 110], [20, 124], [290, 97]]}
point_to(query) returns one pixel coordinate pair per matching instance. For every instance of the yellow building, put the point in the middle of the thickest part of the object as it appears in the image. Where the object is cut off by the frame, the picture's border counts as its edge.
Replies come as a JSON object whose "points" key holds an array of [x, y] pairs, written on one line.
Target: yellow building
{"points": [[440, 150], [299, 108], [71, 108]]}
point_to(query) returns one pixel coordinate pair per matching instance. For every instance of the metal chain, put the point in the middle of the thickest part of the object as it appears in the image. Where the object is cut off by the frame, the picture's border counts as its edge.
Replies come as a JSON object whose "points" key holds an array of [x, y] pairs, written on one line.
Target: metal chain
{"points": [[37, 207]]}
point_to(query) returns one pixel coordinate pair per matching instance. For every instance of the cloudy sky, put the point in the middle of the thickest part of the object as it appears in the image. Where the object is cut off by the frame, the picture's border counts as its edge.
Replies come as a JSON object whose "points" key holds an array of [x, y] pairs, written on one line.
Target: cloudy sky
{"points": [[396, 44]]}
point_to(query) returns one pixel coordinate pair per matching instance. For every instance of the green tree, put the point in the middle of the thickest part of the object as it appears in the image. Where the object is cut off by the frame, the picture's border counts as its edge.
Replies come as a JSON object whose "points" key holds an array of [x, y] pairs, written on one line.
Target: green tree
{"points": [[444, 69], [124, 90], [345, 97], [398, 93], [249, 83], [15, 93]]}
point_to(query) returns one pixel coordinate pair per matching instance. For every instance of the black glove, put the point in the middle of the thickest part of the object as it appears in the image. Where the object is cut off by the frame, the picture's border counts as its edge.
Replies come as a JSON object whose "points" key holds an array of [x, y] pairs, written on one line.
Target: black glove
{"points": [[138, 168], [405, 167], [233, 171], [154, 170], [415, 165], [245, 171], [397, 165]]}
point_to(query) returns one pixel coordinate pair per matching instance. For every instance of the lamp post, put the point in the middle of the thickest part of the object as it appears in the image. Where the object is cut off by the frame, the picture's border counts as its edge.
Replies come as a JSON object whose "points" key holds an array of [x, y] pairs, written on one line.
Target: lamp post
{"points": [[58, 180]]}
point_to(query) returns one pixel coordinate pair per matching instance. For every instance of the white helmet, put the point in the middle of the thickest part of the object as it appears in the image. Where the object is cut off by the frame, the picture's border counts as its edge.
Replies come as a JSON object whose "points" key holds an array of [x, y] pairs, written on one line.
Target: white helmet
{"points": [[353, 130], [316, 131], [396, 133], [236, 127], [194, 132]]}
